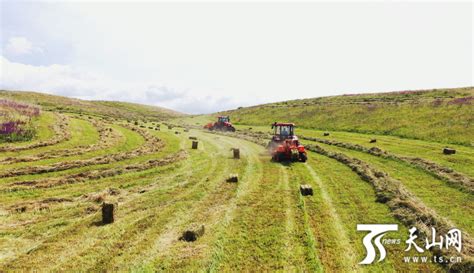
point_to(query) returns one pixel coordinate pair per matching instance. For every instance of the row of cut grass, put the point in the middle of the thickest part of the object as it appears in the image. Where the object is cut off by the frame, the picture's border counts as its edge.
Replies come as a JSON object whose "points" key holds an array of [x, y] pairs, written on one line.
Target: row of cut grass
{"points": [[448, 202], [82, 133], [138, 216], [132, 141], [353, 202], [462, 161], [59, 220]]}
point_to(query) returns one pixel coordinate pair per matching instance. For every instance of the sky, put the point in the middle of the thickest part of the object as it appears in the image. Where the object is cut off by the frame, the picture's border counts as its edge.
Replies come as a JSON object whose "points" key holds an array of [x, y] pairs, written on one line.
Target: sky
{"points": [[204, 57]]}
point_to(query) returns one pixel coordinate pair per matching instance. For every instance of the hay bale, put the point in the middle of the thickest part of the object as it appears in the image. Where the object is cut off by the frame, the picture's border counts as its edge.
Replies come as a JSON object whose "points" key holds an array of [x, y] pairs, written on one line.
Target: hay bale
{"points": [[107, 213], [449, 151], [192, 233], [236, 153], [195, 145], [176, 132], [326, 134], [373, 140], [233, 178], [170, 127], [306, 190], [193, 137]]}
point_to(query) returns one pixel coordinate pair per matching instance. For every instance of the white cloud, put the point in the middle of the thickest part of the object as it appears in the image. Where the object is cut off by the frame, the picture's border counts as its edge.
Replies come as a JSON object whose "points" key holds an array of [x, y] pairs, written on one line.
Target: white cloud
{"points": [[21, 46], [68, 81], [206, 57]]}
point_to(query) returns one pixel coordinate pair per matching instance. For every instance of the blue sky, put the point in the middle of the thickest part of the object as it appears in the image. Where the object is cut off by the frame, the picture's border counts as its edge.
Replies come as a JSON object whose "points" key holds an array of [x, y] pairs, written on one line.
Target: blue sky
{"points": [[205, 57]]}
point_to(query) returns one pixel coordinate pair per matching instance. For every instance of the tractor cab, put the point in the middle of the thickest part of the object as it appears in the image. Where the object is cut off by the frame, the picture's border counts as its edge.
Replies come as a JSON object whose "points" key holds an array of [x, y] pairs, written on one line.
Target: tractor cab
{"points": [[223, 119], [283, 130]]}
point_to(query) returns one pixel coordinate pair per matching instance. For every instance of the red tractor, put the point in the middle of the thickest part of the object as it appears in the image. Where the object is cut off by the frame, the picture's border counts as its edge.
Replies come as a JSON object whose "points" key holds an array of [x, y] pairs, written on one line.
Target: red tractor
{"points": [[222, 124], [284, 145]]}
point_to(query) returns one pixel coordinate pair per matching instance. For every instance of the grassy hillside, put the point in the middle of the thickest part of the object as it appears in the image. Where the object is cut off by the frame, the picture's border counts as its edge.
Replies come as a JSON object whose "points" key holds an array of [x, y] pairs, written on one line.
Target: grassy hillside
{"points": [[443, 115], [122, 110]]}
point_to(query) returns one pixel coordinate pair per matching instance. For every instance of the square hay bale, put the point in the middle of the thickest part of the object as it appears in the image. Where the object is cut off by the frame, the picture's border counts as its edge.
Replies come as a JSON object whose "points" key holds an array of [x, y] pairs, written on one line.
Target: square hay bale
{"points": [[195, 145], [170, 127], [176, 132], [192, 233], [193, 137], [449, 151], [373, 140], [236, 153], [306, 190], [326, 134], [108, 213], [233, 178]]}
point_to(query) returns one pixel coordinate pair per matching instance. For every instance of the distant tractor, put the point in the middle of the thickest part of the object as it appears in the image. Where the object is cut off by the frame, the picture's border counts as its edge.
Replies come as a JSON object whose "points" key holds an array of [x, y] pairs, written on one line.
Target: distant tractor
{"points": [[222, 124], [284, 145]]}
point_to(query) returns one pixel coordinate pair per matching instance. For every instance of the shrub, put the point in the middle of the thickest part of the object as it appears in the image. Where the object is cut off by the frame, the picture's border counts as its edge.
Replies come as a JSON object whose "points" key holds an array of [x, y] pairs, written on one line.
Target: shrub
{"points": [[16, 121]]}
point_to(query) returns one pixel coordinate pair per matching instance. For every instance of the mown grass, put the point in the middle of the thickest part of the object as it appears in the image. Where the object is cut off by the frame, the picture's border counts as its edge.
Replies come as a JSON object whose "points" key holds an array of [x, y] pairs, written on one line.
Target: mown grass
{"points": [[353, 202], [266, 219], [462, 161], [131, 141], [63, 219], [82, 133], [448, 202]]}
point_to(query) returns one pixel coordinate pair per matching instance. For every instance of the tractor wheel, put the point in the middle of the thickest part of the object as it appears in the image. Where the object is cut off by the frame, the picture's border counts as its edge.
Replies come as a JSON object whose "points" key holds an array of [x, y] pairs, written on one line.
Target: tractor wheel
{"points": [[281, 157], [278, 157], [303, 157]]}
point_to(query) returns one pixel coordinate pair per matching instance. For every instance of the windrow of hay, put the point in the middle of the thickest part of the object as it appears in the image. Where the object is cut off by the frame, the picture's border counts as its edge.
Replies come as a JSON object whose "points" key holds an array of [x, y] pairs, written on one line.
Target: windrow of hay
{"points": [[152, 144], [97, 174], [37, 205], [444, 173], [102, 196], [258, 138], [406, 207], [61, 133], [108, 137]]}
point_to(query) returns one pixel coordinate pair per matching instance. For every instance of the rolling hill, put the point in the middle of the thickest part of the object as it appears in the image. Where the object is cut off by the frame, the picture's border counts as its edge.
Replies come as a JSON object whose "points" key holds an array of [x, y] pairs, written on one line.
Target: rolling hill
{"points": [[442, 115], [123, 110]]}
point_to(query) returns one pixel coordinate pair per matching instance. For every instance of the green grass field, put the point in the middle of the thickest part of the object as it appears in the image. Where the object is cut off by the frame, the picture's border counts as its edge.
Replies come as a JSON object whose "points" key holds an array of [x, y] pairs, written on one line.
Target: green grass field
{"points": [[51, 195], [444, 115]]}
